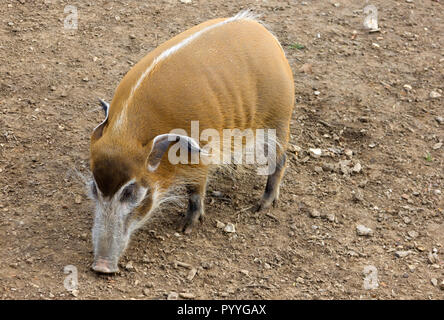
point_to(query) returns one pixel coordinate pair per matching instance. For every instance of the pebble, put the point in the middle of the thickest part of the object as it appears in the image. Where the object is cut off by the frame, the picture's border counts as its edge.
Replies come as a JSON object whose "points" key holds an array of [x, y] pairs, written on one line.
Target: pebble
{"points": [[172, 296], [229, 228], [245, 272], [434, 95], [357, 196], [185, 1], [186, 295], [219, 224], [362, 230], [407, 87], [440, 120], [146, 292], [434, 282], [437, 146], [318, 169], [402, 254], [348, 153], [78, 199], [315, 213], [357, 168], [129, 266], [191, 274], [433, 258], [315, 152], [329, 167], [441, 285], [344, 166], [294, 148], [316, 93], [412, 234]]}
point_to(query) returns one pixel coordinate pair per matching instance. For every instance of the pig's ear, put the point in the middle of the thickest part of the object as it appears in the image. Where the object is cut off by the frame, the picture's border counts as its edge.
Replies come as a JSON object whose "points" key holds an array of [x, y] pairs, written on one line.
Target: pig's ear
{"points": [[97, 132], [105, 107], [161, 144]]}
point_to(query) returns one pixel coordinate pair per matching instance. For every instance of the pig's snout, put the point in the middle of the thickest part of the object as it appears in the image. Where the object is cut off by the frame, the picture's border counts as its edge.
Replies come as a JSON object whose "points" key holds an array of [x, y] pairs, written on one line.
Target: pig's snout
{"points": [[105, 266]]}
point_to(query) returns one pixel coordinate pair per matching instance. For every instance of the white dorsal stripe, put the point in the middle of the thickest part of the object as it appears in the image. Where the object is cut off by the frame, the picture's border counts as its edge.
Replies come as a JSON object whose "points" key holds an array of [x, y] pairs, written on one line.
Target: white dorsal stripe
{"points": [[243, 15]]}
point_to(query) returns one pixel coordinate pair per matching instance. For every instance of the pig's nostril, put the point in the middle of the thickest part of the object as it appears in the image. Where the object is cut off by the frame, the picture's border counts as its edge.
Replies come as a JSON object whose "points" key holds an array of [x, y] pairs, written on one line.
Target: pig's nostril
{"points": [[104, 266]]}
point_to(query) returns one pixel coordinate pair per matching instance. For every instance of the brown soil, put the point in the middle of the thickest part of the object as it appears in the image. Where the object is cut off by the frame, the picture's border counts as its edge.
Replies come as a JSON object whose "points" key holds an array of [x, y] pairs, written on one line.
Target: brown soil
{"points": [[51, 78]]}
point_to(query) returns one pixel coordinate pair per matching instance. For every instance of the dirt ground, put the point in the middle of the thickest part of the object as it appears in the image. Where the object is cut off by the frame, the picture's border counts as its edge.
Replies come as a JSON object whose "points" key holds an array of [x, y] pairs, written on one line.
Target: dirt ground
{"points": [[371, 103]]}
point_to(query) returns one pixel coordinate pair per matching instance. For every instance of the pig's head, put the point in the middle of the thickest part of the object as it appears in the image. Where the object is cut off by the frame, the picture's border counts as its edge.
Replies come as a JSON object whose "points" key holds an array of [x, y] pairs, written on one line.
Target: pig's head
{"points": [[122, 203], [128, 185]]}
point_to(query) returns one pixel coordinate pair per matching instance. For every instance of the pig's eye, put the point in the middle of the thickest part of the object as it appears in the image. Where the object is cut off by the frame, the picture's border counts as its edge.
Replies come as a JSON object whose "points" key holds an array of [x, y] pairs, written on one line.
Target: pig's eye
{"points": [[129, 193]]}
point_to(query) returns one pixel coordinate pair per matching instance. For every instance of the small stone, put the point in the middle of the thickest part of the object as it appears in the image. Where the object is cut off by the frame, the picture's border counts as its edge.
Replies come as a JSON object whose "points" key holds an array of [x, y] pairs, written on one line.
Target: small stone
{"points": [[219, 224], [433, 258], [216, 194], [146, 292], [132, 36], [440, 120], [318, 169], [434, 95], [172, 296], [328, 167], [187, 295], [245, 272], [316, 93], [437, 192], [75, 292], [402, 254], [229, 228], [344, 166], [348, 153], [315, 152], [191, 274], [357, 168], [405, 196], [294, 148], [434, 282], [330, 217], [129, 266], [441, 285], [315, 213], [357, 196], [362, 230], [412, 234], [437, 146], [374, 44], [85, 79], [407, 87], [78, 199]]}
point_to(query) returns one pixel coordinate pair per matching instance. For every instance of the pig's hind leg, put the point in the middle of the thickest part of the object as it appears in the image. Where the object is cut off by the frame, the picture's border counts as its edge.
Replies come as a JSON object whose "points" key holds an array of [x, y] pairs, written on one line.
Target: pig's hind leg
{"points": [[271, 193]]}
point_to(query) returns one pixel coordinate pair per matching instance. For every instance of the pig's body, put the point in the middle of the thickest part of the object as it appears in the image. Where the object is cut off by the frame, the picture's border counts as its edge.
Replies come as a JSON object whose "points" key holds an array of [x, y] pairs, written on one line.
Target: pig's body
{"points": [[224, 73]]}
